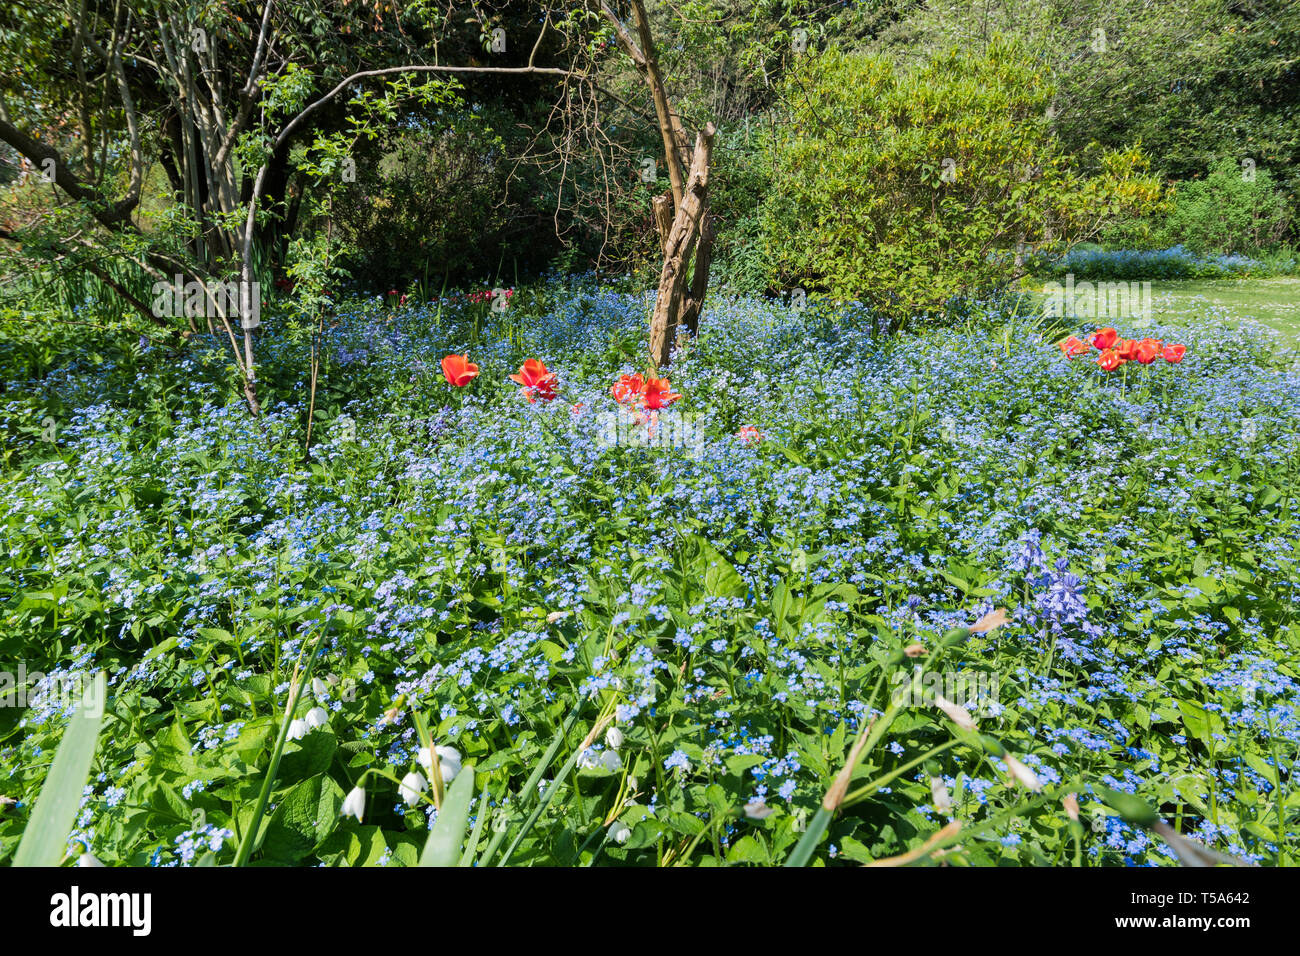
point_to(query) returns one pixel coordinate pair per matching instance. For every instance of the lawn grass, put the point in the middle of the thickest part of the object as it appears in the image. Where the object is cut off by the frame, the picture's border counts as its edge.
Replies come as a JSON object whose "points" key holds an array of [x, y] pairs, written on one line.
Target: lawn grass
{"points": [[1273, 302]]}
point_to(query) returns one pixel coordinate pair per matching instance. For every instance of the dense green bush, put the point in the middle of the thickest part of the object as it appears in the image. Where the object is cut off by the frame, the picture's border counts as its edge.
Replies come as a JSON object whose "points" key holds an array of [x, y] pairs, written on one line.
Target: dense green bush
{"points": [[1228, 211], [901, 187], [741, 179], [1233, 211], [1194, 82]]}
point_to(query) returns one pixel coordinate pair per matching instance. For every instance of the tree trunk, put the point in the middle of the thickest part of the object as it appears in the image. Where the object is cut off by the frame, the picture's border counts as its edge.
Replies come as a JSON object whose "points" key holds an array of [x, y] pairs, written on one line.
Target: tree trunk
{"points": [[682, 239], [700, 281], [689, 213]]}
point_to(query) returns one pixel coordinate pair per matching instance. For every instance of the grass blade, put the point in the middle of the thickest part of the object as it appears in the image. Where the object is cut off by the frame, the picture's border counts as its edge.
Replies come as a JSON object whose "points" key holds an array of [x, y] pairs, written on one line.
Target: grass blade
{"points": [[542, 804], [484, 811], [529, 789], [251, 835], [804, 850]]}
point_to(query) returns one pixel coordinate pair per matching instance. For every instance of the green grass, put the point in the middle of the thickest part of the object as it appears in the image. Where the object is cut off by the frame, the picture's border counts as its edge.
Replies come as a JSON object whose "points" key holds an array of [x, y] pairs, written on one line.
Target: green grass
{"points": [[1200, 303], [1275, 302]]}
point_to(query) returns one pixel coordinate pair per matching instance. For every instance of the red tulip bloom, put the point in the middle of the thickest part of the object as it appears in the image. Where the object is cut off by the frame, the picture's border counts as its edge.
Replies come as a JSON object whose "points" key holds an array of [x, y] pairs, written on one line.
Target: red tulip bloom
{"points": [[628, 389], [749, 434], [537, 380], [1127, 349], [658, 393], [1174, 353], [458, 370], [1105, 338], [1073, 347], [1110, 360], [1147, 351]]}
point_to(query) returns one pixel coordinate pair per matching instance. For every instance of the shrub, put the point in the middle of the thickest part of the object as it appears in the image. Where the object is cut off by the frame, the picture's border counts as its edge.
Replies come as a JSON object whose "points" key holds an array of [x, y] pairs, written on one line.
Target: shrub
{"points": [[742, 176], [1226, 212], [903, 189], [1229, 212]]}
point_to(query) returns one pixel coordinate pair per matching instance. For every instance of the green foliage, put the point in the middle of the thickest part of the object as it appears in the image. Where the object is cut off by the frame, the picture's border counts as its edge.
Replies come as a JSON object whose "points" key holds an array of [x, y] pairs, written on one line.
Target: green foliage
{"points": [[44, 841], [905, 188], [496, 574], [432, 204], [1236, 210], [1195, 82], [740, 181], [1229, 211]]}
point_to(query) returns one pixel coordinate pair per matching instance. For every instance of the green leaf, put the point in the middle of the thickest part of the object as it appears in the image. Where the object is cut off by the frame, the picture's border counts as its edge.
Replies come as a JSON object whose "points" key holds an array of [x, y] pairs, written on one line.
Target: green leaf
{"points": [[45, 840], [1262, 767], [358, 846], [747, 850], [1199, 722], [448, 833], [721, 579], [303, 820], [308, 756]]}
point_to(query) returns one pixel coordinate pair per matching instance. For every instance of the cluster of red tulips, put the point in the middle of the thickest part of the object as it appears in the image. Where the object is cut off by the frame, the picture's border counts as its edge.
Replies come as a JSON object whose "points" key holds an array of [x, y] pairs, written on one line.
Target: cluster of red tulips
{"points": [[636, 392], [537, 381], [1115, 351], [487, 294], [645, 391]]}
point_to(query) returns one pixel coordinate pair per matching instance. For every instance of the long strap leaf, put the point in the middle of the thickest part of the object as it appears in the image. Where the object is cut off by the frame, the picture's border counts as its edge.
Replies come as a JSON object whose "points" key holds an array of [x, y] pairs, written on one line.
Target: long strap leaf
{"points": [[45, 841], [442, 848]]}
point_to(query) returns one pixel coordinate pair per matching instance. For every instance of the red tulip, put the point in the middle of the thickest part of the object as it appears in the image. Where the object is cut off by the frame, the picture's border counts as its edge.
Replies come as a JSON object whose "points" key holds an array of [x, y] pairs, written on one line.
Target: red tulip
{"points": [[749, 434], [1174, 353], [537, 380], [1110, 360], [628, 389], [1073, 347], [658, 393], [1105, 338], [458, 370], [1127, 349], [1147, 351]]}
